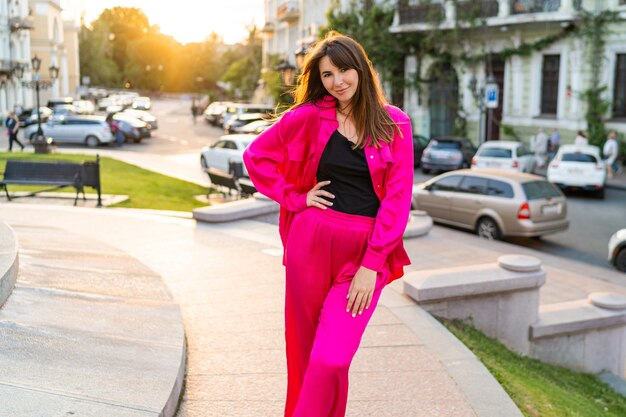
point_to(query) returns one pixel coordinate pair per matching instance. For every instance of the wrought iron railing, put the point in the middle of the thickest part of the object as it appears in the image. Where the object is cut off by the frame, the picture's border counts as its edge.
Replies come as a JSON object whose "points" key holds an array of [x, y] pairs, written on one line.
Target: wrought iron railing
{"points": [[478, 9], [534, 6], [421, 13]]}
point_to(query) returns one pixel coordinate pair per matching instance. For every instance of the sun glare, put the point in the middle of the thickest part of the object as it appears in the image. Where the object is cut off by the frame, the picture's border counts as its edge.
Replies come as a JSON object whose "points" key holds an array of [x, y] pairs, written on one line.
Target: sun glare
{"points": [[191, 20]]}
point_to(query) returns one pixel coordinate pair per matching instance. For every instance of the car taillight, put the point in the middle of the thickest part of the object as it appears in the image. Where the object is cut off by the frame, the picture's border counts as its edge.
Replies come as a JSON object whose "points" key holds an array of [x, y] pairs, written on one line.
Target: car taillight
{"points": [[515, 164], [524, 211], [473, 160]]}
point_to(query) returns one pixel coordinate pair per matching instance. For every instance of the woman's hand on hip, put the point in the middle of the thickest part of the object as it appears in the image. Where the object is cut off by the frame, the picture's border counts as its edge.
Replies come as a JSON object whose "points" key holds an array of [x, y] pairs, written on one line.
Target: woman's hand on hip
{"points": [[361, 291], [314, 197]]}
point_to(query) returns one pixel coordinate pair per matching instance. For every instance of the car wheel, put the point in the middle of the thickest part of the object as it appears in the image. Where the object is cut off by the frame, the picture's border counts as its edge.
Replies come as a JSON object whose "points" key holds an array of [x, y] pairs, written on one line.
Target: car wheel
{"points": [[425, 171], [136, 140], [92, 141], [203, 163], [600, 193], [620, 260], [487, 228]]}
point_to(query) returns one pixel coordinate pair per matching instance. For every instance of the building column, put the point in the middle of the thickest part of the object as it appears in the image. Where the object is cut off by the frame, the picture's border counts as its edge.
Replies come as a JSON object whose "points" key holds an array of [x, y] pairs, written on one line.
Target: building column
{"points": [[504, 8], [567, 6], [64, 71], [450, 11]]}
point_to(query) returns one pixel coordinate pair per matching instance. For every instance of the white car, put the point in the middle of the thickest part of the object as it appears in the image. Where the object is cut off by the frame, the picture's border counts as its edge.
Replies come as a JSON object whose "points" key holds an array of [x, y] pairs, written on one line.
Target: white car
{"points": [[142, 103], [617, 250], [504, 155], [227, 149], [578, 167]]}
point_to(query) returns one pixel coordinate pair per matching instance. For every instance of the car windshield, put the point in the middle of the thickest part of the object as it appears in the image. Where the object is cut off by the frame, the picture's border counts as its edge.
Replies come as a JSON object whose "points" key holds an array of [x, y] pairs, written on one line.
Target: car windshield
{"points": [[578, 157], [446, 145], [537, 190], [496, 153]]}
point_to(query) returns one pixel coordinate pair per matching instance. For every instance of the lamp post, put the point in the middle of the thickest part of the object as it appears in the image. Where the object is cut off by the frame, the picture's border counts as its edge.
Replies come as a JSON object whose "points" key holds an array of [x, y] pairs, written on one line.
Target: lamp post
{"points": [[40, 143]]}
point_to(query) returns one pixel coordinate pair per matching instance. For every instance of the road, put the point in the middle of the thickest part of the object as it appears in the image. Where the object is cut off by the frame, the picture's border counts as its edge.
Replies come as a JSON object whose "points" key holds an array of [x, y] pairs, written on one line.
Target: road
{"points": [[175, 147]]}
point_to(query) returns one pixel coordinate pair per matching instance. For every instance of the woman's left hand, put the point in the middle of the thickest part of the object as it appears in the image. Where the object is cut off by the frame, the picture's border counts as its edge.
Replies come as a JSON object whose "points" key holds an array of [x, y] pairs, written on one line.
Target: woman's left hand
{"points": [[361, 291]]}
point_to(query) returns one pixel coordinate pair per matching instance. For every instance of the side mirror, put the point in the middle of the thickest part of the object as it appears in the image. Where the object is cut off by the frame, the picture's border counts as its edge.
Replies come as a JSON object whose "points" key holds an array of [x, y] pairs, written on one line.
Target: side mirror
{"points": [[428, 187]]}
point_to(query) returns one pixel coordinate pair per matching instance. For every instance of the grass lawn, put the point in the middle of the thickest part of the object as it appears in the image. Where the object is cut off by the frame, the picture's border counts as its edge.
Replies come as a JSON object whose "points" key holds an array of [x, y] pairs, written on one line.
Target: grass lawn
{"points": [[538, 389], [146, 189]]}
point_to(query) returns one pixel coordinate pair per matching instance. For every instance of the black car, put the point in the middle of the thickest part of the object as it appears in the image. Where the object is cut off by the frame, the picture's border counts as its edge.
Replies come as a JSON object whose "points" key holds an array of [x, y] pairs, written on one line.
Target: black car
{"points": [[134, 130], [447, 153], [243, 119], [419, 144]]}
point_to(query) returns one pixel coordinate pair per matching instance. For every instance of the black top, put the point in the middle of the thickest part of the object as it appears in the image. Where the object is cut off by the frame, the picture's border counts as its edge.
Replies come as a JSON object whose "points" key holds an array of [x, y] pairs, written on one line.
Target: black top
{"points": [[349, 175]]}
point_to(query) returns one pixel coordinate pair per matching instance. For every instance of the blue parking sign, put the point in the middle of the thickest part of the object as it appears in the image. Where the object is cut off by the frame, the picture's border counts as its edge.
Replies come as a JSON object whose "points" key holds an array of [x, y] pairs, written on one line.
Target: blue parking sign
{"points": [[491, 96]]}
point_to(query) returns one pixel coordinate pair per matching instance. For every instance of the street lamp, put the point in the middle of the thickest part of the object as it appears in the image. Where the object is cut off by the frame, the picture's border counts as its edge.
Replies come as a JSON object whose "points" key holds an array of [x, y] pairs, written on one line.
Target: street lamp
{"points": [[40, 143]]}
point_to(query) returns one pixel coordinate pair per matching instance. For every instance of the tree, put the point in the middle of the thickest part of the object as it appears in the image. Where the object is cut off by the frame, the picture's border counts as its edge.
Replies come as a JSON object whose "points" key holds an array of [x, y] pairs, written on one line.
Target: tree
{"points": [[245, 69], [95, 57]]}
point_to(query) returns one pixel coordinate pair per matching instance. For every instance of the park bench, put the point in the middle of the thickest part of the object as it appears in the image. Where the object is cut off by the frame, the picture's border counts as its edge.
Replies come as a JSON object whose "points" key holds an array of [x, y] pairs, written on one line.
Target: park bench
{"points": [[241, 186], [56, 174]]}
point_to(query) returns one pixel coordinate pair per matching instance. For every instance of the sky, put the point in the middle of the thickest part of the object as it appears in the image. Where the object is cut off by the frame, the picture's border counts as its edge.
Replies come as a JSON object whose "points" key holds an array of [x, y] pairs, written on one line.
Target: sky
{"points": [[189, 20]]}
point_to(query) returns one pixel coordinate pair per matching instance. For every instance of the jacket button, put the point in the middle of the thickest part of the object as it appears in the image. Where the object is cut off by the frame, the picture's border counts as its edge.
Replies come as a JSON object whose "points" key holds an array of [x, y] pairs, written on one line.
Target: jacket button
{"points": [[378, 186], [371, 156]]}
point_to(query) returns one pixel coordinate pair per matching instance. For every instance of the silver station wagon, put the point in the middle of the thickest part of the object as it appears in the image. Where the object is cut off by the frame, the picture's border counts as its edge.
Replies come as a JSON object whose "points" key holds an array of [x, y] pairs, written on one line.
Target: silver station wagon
{"points": [[89, 130], [494, 203]]}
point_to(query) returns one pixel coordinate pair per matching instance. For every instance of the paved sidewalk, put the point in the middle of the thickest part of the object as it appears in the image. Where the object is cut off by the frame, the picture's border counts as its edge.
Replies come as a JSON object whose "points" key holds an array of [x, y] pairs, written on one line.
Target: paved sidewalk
{"points": [[229, 283]]}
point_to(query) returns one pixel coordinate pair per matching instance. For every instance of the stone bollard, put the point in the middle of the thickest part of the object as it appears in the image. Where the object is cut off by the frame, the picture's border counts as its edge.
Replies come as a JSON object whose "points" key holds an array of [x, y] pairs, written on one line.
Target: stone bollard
{"points": [[585, 335], [501, 299], [419, 224]]}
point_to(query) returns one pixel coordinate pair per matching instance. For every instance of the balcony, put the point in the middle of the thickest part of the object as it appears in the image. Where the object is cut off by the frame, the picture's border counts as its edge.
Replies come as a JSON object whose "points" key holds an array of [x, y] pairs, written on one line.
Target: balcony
{"points": [[288, 12], [268, 28], [535, 6], [421, 13], [481, 9], [21, 23]]}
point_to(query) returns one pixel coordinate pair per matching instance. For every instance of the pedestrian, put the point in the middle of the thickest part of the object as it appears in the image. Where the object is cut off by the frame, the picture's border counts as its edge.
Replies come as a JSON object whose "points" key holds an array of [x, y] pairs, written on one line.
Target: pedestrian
{"points": [[116, 130], [539, 146], [13, 126], [340, 164], [555, 142], [610, 152], [581, 139]]}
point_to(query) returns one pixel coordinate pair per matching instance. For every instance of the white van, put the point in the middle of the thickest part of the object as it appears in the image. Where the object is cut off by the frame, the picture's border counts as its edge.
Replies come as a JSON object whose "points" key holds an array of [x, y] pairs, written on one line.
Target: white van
{"points": [[240, 108]]}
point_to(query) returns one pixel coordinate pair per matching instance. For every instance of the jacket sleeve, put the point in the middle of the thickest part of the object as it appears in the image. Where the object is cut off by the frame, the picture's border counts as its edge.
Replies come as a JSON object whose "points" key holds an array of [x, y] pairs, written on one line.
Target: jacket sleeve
{"points": [[265, 160], [395, 206]]}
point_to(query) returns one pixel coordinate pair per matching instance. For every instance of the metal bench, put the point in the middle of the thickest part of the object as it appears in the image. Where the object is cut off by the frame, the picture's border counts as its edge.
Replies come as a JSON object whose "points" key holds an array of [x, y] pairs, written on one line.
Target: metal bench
{"points": [[56, 174], [223, 179], [246, 186]]}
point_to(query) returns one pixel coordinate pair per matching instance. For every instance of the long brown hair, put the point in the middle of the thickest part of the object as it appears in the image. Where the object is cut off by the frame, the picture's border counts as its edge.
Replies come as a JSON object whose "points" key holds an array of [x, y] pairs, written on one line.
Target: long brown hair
{"points": [[367, 106]]}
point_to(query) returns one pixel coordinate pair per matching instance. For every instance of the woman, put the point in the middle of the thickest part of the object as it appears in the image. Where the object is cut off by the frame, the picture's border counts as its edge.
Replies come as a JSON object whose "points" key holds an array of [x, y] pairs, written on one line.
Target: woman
{"points": [[581, 139], [340, 164]]}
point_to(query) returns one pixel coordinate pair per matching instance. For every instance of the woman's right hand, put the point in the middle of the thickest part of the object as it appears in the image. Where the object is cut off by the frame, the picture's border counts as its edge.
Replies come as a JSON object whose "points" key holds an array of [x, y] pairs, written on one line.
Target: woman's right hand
{"points": [[314, 197]]}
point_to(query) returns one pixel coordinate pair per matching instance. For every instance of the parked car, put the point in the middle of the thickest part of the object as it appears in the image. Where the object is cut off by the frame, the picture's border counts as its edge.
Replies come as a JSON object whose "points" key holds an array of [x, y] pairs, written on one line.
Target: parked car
{"points": [[233, 109], [134, 130], [214, 113], [90, 130], [579, 167], [46, 112], [243, 119], [144, 116], [84, 107], [64, 110], [505, 155], [142, 103], [447, 153], [227, 149], [419, 144], [59, 101], [617, 250], [494, 203], [255, 127]]}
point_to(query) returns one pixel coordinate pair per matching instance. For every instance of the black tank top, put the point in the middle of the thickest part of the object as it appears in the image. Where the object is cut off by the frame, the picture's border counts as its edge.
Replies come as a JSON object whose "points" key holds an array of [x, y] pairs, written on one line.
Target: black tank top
{"points": [[349, 176]]}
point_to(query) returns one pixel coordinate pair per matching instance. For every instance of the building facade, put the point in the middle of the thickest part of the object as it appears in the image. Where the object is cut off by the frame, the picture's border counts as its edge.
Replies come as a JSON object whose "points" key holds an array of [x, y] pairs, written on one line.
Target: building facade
{"points": [[14, 51], [542, 88]]}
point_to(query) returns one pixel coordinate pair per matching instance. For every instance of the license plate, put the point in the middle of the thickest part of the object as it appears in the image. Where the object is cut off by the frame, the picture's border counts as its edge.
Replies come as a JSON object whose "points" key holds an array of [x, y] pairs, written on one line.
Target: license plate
{"points": [[551, 209], [575, 171], [493, 164]]}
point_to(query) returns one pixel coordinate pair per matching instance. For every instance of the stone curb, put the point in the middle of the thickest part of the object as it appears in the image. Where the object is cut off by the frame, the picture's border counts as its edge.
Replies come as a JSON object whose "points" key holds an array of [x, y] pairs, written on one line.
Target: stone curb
{"points": [[9, 261]]}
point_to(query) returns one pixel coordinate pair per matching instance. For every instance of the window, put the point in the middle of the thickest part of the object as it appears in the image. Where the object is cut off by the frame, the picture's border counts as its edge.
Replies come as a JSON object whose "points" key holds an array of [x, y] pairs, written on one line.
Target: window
{"points": [[473, 185], [619, 93], [537, 190], [447, 184], [496, 153], [499, 189], [229, 144], [578, 157], [522, 151], [550, 84]]}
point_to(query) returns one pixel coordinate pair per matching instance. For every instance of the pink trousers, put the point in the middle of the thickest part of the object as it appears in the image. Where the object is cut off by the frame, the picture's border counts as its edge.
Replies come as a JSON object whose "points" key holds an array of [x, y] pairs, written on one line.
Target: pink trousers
{"points": [[323, 253]]}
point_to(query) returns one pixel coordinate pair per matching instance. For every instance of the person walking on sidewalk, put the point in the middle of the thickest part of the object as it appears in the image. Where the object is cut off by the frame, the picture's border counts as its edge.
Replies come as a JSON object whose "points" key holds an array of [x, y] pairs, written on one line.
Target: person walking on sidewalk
{"points": [[581, 139], [340, 164], [539, 145], [13, 126], [554, 143], [610, 151]]}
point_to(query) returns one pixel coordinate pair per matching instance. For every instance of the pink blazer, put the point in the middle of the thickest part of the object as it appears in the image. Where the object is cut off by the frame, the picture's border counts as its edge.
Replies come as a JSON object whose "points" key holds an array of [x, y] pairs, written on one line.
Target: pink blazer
{"points": [[282, 163]]}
